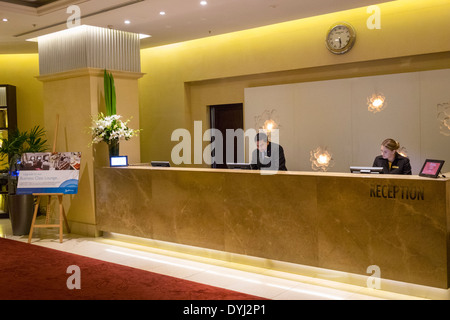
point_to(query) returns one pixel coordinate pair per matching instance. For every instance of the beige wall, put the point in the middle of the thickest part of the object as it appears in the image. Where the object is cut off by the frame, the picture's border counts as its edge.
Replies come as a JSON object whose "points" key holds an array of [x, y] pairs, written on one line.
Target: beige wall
{"points": [[183, 79], [334, 114]]}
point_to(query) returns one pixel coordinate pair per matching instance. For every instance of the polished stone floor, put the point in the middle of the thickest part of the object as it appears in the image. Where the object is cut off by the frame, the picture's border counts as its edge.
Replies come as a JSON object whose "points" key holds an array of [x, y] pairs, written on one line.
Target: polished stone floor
{"points": [[263, 282]]}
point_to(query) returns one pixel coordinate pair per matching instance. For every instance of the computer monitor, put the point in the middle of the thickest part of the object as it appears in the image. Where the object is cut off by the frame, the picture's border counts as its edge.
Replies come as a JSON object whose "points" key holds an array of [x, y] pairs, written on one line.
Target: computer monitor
{"points": [[118, 161], [431, 168], [366, 169], [245, 166], [160, 164]]}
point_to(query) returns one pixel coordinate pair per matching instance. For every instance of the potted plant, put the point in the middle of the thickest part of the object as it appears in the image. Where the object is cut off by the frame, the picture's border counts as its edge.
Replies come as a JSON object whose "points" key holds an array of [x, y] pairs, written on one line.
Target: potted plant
{"points": [[110, 128], [17, 143]]}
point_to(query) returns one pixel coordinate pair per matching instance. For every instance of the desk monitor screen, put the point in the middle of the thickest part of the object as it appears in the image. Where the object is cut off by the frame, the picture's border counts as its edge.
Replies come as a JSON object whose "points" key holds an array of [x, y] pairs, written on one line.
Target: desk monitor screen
{"points": [[119, 161], [246, 166], [160, 164], [431, 168], [366, 169]]}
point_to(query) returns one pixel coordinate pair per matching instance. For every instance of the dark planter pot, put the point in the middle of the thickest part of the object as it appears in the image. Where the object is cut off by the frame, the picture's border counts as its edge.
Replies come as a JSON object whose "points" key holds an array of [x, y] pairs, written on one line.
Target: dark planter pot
{"points": [[113, 148], [21, 213]]}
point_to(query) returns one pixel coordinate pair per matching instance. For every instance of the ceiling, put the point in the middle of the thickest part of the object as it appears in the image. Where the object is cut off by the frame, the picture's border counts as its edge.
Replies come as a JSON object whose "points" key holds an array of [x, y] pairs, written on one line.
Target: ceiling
{"points": [[30, 3], [183, 19]]}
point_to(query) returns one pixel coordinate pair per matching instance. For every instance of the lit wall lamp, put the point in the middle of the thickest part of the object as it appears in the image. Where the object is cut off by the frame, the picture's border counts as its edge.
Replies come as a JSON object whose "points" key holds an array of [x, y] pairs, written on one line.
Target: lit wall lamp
{"points": [[403, 152], [267, 122], [376, 102], [321, 159], [270, 125]]}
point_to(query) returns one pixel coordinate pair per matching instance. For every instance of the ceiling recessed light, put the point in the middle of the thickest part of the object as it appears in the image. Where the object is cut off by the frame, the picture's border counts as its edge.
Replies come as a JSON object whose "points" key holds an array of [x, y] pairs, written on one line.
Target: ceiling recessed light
{"points": [[163, 13], [203, 3], [127, 22]]}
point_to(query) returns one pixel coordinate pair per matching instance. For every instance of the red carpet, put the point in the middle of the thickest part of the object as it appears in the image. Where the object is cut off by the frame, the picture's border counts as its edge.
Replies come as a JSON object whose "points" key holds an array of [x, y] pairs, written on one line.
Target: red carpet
{"points": [[32, 272]]}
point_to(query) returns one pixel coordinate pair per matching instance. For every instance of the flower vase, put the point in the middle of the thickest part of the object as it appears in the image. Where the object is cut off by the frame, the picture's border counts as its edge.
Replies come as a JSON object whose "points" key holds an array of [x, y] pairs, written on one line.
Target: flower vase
{"points": [[113, 148]]}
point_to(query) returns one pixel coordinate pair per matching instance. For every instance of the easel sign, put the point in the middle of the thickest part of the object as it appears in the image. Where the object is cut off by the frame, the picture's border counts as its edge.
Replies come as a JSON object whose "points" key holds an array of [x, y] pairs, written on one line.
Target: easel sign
{"points": [[47, 172]]}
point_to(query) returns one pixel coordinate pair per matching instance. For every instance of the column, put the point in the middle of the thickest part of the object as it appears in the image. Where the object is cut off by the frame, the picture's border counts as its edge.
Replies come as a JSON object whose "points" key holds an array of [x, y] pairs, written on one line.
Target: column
{"points": [[72, 63]]}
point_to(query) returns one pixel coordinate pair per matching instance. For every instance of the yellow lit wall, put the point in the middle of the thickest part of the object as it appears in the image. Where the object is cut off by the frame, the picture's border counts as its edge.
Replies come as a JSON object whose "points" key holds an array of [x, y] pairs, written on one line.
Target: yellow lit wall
{"points": [[183, 79], [21, 71]]}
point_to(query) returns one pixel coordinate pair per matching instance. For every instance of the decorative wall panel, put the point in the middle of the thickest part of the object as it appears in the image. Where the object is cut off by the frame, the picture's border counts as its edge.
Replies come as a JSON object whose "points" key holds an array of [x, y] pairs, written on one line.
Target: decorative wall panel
{"points": [[89, 47], [334, 114]]}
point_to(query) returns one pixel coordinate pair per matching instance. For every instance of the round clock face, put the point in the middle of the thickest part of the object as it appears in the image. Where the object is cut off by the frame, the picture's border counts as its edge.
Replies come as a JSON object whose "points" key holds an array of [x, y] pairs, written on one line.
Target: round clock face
{"points": [[340, 38]]}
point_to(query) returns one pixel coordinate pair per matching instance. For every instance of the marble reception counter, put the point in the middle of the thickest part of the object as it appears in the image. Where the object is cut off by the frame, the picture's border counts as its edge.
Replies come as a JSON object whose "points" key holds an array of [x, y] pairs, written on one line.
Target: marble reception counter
{"points": [[338, 221]]}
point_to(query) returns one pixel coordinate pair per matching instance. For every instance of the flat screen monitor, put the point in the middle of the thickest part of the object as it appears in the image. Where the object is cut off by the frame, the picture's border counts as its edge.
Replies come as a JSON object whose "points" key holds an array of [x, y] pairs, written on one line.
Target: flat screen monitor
{"points": [[431, 168], [366, 169], [245, 166], [119, 161], [160, 164]]}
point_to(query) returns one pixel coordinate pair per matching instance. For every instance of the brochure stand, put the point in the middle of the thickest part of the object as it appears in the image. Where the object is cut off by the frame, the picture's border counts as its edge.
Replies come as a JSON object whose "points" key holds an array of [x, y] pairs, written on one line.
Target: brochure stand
{"points": [[62, 215]]}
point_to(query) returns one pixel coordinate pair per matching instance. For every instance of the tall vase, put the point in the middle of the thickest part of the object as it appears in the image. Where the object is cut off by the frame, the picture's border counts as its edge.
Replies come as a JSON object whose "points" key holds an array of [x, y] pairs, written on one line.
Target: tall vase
{"points": [[21, 213], [113, 147]]}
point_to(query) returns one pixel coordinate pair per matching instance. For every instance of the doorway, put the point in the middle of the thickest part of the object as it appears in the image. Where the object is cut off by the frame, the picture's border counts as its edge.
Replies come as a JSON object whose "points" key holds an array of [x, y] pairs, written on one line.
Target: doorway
{"points": [[223, 117]]}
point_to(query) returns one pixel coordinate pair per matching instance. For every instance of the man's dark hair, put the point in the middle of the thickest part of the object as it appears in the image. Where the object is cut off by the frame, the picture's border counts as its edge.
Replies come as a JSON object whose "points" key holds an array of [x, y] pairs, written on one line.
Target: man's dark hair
{"points": [[261, 136]]}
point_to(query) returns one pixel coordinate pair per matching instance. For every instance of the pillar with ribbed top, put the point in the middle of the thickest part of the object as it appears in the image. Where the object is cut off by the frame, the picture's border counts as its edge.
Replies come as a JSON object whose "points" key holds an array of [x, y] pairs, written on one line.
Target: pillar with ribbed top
{"points": [[72, 64]]}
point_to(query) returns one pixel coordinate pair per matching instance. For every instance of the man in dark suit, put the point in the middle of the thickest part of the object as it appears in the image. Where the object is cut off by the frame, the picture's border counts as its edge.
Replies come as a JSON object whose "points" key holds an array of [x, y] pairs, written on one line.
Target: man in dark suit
{"points": [[268, 155]]}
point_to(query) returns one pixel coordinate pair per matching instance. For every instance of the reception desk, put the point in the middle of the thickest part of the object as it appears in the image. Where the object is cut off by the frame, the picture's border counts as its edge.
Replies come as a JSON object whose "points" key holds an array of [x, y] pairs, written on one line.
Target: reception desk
{"points": [[338, 221]]}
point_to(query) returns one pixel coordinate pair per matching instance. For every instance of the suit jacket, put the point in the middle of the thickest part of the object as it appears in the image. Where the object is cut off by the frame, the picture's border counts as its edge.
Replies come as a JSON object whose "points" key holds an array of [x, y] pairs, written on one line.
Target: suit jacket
{"points": [[400, 165], [279, 159]]}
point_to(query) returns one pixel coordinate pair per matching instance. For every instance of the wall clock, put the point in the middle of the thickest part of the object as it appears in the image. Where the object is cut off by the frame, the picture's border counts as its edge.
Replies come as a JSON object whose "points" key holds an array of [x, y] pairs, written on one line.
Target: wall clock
{"points": [[340, 38]]}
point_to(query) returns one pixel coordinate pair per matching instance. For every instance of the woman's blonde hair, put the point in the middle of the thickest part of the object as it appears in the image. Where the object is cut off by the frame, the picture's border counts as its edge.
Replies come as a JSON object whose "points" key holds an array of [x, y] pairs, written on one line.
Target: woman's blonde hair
{"points": [[391, 144]]}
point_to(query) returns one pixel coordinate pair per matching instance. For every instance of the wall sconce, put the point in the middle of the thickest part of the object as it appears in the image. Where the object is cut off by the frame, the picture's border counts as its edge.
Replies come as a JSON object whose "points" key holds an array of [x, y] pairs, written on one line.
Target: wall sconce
{"points": [[443, 116], [376, 102], [403, 152], [270, 125], [267, 121], [321, 159]]}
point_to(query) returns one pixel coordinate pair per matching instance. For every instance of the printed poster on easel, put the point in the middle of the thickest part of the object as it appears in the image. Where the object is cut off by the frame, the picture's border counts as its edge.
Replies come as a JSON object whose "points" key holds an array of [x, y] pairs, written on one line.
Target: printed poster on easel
{"points": [[47, 172]]}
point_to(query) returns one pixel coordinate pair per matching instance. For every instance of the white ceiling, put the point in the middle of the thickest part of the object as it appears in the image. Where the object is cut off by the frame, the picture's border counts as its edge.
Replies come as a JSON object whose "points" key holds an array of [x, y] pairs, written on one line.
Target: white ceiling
{"points": [[184, 19]]}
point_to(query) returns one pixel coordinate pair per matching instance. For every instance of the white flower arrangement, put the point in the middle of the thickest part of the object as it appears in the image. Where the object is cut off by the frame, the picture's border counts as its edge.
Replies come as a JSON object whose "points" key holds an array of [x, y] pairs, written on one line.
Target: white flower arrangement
{"points": [[111, 129]]}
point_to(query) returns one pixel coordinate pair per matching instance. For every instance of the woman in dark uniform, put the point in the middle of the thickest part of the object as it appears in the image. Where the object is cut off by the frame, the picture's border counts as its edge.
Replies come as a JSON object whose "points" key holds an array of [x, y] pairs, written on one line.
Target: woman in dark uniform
{"points": [[391, 161]]}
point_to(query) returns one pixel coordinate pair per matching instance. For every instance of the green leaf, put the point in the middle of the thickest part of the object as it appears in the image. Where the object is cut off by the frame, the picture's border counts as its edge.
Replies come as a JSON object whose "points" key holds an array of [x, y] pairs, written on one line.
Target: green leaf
{"points": [[18, 143], [113, 96], [110, 93]]}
